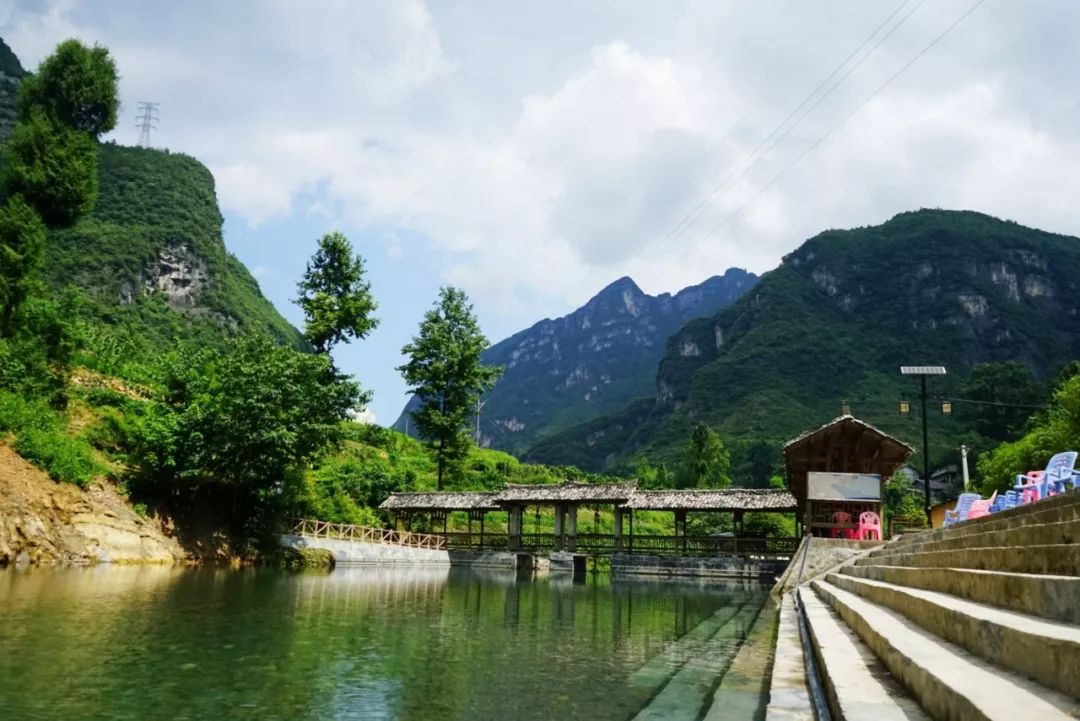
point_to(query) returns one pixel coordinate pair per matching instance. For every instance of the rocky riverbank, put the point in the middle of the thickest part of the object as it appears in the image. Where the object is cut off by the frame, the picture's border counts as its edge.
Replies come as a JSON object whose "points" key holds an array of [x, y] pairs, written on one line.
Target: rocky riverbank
{"points": [[45, 522]]}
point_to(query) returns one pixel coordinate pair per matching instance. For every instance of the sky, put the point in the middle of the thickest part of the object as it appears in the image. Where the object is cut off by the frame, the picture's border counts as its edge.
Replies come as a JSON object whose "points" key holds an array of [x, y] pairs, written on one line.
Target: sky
{"points": [[531, 153]]}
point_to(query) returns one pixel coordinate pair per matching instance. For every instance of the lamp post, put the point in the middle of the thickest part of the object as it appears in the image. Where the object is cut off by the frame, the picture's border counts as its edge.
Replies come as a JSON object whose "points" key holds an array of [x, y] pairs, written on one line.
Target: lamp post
{"points": [[922, 372]]}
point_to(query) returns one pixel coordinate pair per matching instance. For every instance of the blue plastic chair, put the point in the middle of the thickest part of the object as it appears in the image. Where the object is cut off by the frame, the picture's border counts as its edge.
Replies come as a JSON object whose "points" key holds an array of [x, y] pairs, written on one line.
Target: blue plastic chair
{"points": [[962, 508], [1060, 471]]}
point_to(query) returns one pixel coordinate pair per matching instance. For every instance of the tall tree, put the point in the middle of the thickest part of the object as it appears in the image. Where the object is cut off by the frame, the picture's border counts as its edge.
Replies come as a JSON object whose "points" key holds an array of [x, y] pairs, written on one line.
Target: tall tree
{"points": [[48, 166], [445, 373], [335, 296], [706, 463]]}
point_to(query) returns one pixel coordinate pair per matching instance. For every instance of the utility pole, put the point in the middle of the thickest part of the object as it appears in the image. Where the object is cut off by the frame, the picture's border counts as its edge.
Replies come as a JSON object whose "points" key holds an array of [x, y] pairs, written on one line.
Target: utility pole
{"points": [[148, 118], [479, 405], [964, 466], [922, 372]]}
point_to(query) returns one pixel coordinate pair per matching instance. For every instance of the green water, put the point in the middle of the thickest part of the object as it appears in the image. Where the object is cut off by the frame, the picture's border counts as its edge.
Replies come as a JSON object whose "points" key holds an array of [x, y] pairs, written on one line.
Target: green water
{"points": [[161, 643]]}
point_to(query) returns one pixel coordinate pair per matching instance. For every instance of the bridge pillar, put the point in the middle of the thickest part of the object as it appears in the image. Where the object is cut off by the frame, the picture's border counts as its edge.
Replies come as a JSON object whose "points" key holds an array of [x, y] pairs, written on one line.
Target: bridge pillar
{"points": [[571, 527], [513, 530], [560, 511], [618, 528], [680, 529]]}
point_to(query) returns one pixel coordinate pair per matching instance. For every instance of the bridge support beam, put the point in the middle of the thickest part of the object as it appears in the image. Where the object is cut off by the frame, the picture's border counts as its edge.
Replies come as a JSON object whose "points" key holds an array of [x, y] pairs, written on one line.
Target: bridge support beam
{"points": [[560, 513], [571, 527], [618, 528], [513, 530]]}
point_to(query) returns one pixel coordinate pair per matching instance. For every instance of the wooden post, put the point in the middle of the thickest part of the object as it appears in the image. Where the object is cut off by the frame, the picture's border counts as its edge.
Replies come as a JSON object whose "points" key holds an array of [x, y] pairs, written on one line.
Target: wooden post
{"points": [[560, 510], [571, 526], [680, 520], [482, 514], [618, 528], [631, 531]]}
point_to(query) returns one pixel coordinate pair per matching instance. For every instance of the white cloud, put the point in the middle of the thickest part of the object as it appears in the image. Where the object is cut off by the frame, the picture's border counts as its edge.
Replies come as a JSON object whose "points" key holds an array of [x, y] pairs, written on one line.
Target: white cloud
{"points": [[546, 164]]}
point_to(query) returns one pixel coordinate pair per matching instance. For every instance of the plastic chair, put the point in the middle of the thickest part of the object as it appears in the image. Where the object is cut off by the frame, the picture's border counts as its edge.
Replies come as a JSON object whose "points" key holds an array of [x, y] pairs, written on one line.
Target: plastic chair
{"points": [[1030, 487], [981, 507], [869, 525], [960, 511], [1060, 471], [841, 517]]}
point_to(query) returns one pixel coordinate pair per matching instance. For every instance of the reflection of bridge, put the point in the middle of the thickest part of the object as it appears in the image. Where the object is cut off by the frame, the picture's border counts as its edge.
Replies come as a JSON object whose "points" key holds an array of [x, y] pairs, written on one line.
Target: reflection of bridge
{"points": [[624, 499]]}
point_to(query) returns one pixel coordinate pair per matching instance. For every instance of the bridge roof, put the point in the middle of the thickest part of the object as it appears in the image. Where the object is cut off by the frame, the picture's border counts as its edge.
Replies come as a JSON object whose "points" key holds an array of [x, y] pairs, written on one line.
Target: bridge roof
{"points": [[440, 501], [722, 499], [567, 492]]}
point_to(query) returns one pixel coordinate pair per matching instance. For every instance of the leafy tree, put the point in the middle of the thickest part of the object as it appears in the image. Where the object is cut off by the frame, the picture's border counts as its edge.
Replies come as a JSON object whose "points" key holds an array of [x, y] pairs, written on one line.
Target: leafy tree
{"points": [[22, 238], [76, 85], [445, 373], [249, 420], [706, 463], [335, 296], [754, 460], [1008, 393]]}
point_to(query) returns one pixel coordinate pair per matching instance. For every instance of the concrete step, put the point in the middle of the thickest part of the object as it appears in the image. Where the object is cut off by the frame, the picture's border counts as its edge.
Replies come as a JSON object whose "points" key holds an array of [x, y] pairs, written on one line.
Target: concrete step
{"points": [[1059, 559], [789, 699], [742, 690], [1051, 597], [1049, 534], [857, 684], [1057, 509], [1044, 651], [686, 695], [947, 681], [658, 669]]}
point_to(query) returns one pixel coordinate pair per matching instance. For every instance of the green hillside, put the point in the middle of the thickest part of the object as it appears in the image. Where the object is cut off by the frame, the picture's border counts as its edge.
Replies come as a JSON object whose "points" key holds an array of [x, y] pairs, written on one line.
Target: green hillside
{"points": [[836, 320], [151, 260]]}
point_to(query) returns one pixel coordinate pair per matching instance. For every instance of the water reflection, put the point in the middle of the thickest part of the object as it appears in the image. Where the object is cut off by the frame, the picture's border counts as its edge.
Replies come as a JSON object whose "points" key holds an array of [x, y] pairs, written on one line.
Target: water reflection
{"points": [[401, 643]]}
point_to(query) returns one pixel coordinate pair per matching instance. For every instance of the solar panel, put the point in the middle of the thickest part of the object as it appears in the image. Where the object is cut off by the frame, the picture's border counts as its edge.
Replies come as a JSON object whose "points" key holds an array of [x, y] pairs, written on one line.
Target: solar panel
{"points": [[922, 370]]}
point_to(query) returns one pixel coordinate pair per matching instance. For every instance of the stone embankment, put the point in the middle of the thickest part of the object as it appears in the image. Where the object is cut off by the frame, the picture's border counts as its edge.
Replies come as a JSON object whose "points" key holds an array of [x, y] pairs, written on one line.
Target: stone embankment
{"points": [[42, 521], [977, 622]]}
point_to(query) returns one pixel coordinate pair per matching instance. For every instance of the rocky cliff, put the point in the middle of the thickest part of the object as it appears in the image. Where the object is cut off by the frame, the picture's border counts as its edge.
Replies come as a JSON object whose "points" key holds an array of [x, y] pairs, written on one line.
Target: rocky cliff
{"points": [[835, 322]]}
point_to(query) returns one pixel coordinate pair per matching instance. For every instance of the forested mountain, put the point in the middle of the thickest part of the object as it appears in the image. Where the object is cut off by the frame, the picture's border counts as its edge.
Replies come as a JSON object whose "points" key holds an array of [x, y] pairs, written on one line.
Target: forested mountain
{"points": [[149, 259], [571, 369], [834, 323]]}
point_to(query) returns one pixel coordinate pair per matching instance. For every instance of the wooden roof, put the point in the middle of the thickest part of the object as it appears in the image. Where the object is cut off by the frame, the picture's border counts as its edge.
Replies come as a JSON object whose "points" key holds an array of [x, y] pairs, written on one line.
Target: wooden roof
{"points": [[723, 499], [440, 501], [568, 492], [843, 445]]}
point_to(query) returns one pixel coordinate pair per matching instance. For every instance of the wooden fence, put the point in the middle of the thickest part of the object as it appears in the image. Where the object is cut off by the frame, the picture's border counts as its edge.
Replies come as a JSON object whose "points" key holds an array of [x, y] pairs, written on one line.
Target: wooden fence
{"points": [[348, 532]]}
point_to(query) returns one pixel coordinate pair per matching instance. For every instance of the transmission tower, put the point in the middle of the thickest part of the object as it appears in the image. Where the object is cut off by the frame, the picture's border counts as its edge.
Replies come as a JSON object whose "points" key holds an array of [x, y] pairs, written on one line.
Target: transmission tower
{"points": [[148, 118]]}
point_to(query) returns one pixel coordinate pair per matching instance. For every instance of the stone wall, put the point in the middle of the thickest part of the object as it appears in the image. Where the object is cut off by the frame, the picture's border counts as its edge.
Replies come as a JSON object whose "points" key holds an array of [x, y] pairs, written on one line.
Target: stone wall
{"points": [[711, 566]]}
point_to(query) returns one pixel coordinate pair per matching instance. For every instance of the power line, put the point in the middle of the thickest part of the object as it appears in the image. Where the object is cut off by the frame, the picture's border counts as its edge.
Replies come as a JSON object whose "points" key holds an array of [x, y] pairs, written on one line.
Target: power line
{"points": [[782, 130], [813, 146], [999, 404], [147, 121]]}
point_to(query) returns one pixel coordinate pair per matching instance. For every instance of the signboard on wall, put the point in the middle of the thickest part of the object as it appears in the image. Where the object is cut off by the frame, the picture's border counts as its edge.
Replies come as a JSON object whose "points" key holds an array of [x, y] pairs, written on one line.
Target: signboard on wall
{"points": [[843, 486]]}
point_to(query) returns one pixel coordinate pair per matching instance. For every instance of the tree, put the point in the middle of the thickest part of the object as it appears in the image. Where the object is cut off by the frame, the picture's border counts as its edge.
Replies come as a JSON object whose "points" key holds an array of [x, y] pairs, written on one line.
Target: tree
{"points": [[706, 463], [76, 85], [22, 239], [335, 296], [48, 166], [53, 167], [445, 374], [247, 421]]}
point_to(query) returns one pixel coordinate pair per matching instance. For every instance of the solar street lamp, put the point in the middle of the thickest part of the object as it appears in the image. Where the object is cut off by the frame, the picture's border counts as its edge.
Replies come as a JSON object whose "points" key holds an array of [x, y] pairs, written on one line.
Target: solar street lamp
{"points": [[922, 372]]}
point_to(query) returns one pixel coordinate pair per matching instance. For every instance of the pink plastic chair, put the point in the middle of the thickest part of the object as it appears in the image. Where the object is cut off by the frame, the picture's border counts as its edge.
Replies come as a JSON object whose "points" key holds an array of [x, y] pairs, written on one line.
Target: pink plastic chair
{"points": [[981, 507], [841, 517], [1029, 485], [869, 525]]}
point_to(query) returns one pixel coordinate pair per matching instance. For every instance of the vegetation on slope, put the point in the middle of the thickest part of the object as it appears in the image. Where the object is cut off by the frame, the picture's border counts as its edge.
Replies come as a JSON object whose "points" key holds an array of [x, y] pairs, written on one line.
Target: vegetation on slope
{"points": [[836, 321]]}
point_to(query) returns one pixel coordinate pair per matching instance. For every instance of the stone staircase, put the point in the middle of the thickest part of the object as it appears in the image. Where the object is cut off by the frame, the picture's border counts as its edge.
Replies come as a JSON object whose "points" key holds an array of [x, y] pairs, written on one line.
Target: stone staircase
{"points": [[980, 621]]}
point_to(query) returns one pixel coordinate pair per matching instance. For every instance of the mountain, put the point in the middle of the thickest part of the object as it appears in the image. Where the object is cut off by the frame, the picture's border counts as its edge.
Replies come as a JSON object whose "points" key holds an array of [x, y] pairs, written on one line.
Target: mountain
{"points": [[150, 260], [836, 320], [593, 361]]}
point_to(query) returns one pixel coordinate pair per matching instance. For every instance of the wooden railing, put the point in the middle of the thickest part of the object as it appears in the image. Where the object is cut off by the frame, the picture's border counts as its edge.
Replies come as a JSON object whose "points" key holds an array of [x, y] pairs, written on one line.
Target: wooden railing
{"points": [[348, 532], [604, 544]]}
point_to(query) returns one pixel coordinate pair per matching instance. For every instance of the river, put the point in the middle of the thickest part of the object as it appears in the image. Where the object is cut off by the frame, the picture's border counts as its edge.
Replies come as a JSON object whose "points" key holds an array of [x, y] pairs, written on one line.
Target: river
{"points": [[151, 642]]}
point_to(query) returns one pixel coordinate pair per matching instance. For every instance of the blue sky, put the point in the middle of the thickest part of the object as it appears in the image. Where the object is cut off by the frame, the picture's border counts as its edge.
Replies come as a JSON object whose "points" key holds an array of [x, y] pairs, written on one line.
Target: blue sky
{"points": [[531, 153]]}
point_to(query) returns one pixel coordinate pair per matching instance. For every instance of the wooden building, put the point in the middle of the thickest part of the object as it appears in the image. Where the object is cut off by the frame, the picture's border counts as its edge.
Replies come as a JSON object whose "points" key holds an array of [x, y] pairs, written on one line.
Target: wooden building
{"points": [[840, 467]]}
